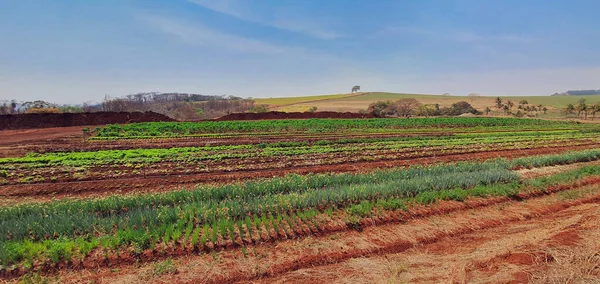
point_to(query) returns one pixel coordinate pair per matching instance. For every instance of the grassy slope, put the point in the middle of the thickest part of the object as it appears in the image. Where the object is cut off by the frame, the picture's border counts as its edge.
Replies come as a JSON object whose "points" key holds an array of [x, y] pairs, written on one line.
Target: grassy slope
{"points": [[350, 102], [274, 102]]}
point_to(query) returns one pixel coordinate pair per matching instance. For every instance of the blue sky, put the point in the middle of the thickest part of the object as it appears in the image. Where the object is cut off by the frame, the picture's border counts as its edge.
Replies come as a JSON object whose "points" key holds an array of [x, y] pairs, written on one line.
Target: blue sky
{"points": [[75, 51]]}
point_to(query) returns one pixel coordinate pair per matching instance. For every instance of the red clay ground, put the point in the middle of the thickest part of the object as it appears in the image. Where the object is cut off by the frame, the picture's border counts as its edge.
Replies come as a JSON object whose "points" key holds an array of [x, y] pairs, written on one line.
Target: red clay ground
{"points": [[21, 141], [44, 120], [546, 239]]}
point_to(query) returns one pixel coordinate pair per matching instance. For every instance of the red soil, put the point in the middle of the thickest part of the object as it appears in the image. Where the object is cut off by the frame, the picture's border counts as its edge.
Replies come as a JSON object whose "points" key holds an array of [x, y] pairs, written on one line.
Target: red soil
{"points": [[45, 120], [567, 238]]}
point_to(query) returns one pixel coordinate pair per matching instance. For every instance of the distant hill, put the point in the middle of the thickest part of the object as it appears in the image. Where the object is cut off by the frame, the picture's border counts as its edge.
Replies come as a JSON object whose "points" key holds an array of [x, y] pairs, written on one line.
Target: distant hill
{"points": [[578, 93], [356, 102]]}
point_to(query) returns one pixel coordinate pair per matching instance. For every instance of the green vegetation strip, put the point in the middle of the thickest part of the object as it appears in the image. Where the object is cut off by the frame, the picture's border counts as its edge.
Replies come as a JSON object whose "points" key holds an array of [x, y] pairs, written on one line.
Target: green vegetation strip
{"points": [[56, 231], [197, 154], [178, 129]]}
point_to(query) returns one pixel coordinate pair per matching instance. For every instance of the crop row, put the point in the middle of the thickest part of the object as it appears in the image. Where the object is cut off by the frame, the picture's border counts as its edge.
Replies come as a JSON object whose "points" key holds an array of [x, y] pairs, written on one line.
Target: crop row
{"points": [[260, 159], [175, 129], [264, 159], [54, 231], [289, 184], [280, 149], [225, 232]]}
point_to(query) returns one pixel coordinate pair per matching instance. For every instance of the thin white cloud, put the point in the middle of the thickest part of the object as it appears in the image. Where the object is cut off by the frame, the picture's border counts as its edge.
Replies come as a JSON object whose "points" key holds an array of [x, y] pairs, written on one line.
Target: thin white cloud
{"points": [[278, 19], [450, 35], [305, 27], [228, 7], [198, 34]]}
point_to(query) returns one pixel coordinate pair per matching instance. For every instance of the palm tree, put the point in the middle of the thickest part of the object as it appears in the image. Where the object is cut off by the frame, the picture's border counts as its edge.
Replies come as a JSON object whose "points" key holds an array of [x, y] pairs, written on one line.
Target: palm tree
{"points": [[487, 110], [581, 107], [570, 109], [510, 104], [594, 109], [498, 103]]}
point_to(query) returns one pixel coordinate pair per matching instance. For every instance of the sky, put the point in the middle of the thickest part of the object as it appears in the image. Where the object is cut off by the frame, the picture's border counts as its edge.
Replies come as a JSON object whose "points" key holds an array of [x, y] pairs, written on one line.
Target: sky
{"points": [[67, 51]]}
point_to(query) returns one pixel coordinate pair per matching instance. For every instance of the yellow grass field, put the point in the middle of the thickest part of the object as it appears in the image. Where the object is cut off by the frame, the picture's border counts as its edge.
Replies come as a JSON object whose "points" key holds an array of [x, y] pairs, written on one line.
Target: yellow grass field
{"points": [[275, 102], [360, 101]]}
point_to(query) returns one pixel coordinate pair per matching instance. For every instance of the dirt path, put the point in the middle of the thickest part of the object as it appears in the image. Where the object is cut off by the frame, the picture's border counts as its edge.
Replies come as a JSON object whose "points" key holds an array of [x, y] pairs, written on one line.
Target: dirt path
{"points": [[546, 171], [510, 242], [15, 137]]}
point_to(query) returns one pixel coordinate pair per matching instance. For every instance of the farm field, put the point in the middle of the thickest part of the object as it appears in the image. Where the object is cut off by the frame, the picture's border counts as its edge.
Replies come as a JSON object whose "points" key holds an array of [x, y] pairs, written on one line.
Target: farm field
{"points": [[356, 102], [300, 200]]}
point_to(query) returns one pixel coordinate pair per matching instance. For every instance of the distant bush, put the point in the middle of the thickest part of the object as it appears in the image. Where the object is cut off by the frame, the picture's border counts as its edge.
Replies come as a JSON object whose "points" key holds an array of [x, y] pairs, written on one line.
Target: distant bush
{"points": [[410, 107], [459, 108], [259, 109]]}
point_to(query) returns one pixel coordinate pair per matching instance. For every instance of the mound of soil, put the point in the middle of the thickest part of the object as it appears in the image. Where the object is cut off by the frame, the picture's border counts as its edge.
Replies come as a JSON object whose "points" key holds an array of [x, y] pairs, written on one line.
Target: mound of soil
{"points": [[46, 120], [293, 115]]}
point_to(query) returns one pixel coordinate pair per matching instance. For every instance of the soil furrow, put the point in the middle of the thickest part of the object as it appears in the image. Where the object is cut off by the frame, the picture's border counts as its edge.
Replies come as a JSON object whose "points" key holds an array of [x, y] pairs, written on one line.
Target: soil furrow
{"points": [[166, 183], [307, 256], [384, 245]]}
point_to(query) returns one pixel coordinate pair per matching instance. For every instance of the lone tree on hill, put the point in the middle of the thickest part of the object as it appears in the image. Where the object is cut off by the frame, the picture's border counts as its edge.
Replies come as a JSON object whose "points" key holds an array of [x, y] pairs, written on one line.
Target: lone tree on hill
{"points": [[355, 89]]}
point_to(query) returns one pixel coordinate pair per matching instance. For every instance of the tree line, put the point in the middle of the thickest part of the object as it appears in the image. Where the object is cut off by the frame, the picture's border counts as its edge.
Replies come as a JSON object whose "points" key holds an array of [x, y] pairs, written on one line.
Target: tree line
{"points": [[522, 109], [411, 107], [182, 106], [582, 109], [578, 93]]}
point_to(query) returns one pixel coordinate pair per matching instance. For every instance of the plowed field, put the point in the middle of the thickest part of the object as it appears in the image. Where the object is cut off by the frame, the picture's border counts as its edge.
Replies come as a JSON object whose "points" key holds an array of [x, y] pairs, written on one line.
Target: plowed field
{"points": [[314, 201]]}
